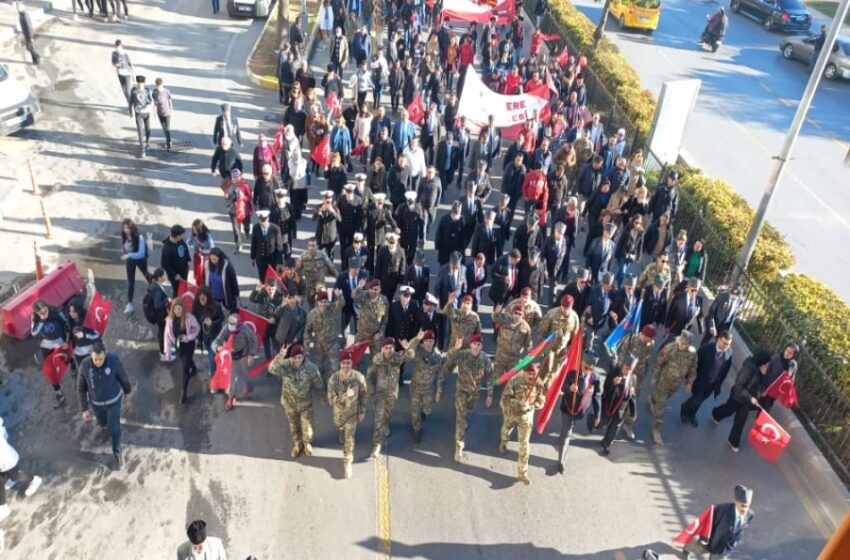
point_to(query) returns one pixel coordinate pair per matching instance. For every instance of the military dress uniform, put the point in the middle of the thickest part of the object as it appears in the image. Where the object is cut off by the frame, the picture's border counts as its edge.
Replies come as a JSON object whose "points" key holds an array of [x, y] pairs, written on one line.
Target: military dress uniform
{"points": [[672, 367], [383, 374], [564, 322], [512, 342], [379, 219], [471, 370], [390, 267], [347, 408], [411, 222], [426, 367], [523, 394], [297, 383], [313, 269], [322, 329], [351, 222], [373, 318]]}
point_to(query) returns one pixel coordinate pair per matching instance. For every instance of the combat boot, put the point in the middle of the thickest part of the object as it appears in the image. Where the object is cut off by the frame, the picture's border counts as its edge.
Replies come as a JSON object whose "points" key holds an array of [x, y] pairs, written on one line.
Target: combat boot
{"points": [[523, 477], [629, 433], [417, 436], [459, 452], [376, 451], [308, 449], [296, 450], [656, 436], [346, 468], [503, 447]]}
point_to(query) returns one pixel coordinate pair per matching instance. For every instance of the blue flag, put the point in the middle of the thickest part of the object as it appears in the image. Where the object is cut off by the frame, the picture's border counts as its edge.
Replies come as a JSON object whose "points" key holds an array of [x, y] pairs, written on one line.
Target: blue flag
{"points": [[629, 325]]}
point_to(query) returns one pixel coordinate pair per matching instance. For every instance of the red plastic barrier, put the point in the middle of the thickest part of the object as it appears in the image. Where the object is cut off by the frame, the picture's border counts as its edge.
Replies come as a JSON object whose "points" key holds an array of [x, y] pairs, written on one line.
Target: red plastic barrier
{"points": [[56, 288]]}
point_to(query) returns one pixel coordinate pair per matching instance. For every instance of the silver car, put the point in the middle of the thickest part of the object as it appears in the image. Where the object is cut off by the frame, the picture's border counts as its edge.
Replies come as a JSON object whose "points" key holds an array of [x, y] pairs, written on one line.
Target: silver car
{"points": [[248, 8], [802, 48]]}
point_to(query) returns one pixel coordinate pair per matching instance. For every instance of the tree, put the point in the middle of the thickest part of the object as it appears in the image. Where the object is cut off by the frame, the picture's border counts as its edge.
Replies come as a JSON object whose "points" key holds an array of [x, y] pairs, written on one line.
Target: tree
{"points": [[597, 35], [282, 21]]}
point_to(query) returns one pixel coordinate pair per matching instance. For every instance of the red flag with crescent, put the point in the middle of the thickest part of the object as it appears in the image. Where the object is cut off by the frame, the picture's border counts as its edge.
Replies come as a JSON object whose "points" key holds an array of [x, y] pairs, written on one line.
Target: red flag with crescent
{"points": [[359, 150], [699, 528], [187, 292], [768, 438], [571, 363], [56, 364], [97, 316], [322, 152], [223, 366], [416, 110], [783, 390], [254, 322], [198, 268]]}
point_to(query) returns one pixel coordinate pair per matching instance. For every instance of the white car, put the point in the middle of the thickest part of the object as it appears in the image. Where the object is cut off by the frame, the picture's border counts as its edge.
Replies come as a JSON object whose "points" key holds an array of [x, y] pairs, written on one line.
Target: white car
{"points": [[249, 8], [18, 107]]}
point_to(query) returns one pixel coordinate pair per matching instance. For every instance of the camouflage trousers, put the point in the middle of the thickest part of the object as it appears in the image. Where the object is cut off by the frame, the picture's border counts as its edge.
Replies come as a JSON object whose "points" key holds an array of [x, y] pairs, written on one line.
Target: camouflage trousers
{"points": [[464, 404], [300, 424], [374, 347], [384, 405], [326, 353], [421, 402], [658, 401], [502, 363], [524, 424], [347, 429], [310, 292], [549, 365], [638, 375]]}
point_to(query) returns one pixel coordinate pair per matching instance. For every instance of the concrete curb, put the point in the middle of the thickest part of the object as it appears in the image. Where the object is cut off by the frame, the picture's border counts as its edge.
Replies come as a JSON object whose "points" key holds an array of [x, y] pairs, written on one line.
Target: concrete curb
{"points": [[267, 82]]}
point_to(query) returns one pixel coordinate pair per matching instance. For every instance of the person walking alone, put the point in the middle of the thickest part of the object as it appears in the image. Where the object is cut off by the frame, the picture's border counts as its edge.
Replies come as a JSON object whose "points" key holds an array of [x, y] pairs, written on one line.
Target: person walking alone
{"points": [[140, 107], [27, 31], [122, 64]]}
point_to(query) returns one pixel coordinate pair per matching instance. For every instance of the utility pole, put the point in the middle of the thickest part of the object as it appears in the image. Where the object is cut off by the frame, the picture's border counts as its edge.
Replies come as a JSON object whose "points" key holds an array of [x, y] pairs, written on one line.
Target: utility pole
{"points": [[788, 145], [600, 28]]}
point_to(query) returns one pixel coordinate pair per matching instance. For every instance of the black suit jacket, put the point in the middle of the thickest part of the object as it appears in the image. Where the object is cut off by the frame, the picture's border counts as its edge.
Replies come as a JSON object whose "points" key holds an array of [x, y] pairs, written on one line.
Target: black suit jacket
{"points": [[401, 323], [470, 219], [218, 130], [343, 284], [440, 162], [554, 261], [418, 284], [268, 248], [711, 369], [436, 323], [717, 314], [472, 285], [654, 306], [488, 245], [724, 537], [678, 316], [500, 291]]}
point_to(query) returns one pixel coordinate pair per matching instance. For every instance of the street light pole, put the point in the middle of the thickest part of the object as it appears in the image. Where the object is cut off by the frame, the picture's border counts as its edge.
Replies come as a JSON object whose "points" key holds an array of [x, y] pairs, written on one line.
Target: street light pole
{"points": [[788, 145], [304, 17]]}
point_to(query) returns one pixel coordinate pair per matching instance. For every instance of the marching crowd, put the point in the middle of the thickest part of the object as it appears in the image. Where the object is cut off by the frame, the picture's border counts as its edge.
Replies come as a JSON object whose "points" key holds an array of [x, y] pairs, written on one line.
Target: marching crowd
{"points": [[509, 239]]}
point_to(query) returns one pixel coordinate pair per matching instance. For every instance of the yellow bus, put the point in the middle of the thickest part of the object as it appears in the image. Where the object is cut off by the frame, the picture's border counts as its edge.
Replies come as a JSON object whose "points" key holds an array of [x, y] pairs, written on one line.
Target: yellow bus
{"points": [[636, 14]]}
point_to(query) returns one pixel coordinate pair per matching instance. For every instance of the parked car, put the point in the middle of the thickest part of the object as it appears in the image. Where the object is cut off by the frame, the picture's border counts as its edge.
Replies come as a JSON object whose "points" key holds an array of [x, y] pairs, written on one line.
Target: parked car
{"points": [[18, 107], [780, 15], [636, 14], [802, 49], [248, 8]]}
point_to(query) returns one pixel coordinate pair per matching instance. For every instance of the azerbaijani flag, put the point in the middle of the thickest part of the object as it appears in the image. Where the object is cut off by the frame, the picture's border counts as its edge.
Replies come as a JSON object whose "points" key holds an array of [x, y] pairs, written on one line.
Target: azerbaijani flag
{"points": [[571, 363], [629, 325], [527, 359]]}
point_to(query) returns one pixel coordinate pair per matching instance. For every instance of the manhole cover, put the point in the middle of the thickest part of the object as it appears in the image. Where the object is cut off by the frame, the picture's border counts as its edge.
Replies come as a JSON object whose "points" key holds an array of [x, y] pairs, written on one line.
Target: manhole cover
{"points": [[159, 148]]}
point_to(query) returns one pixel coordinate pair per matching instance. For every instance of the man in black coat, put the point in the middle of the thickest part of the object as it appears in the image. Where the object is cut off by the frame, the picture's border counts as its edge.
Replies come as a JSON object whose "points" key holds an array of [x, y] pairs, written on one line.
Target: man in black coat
{"points": [[264, 187], [532, 274], [429, 319], [476, 276], [384, 148], [505, 277], [27, 31], [684, 309], [601, 252], [622, 301], [358, 249], [513, 180], [654, 298], [418, 276], [266, 249], [713, 362], [429, 192], [589, 177], [390, 266], [722, 312], [485, 240], [449, 237], [351, 219], [411, 221], [379, 220], [618, 399], [579, 289], [471, 211], [665, 199], [728, 523], [346, 282], [554, 255], [226, 126], [402, 319], [503, 220], [327, 220], [599, 302], [447, 160], [175, 257], [451, 279], [528, 235], [285, 75], [225, 158], [283, 216]]}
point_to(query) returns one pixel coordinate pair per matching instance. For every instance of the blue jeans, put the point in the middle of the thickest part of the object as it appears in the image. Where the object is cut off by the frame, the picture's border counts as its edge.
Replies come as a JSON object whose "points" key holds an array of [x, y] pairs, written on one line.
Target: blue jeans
{"points": [[109, 416], [210, 355], [367, 20], [216, 6], [376, 92]]}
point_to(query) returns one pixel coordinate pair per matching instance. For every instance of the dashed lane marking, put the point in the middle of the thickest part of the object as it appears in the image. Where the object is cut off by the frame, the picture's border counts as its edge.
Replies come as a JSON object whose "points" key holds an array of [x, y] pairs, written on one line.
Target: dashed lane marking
{"points": [[382, 488]]}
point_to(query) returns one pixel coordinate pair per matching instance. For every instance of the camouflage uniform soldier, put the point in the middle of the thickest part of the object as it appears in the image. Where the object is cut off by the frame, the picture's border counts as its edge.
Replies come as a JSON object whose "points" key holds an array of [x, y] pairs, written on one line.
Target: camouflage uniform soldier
{"points": [[464, 322], [640, 347], [563, 321], [298, 378], [514, 338], [533, 313], [322, 330], [473, 365], [426, 366], [676, 362], [374, 313], [383, 374], [313, 266], [347, 395], [659, 267], [523, 395]]}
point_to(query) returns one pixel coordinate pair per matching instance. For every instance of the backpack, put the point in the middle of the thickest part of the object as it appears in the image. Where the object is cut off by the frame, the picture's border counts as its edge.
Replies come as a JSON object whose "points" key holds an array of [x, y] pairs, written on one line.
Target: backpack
{"points": [[148, 306]]}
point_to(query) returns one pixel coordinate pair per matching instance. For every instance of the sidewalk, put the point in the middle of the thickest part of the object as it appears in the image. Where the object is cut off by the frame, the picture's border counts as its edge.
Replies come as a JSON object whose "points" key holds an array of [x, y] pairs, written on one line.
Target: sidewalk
{"points": [[41, 13]]}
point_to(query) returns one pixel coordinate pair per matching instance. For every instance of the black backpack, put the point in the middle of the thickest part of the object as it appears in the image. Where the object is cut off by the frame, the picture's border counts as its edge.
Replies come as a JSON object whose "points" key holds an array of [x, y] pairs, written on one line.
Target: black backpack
{"points": [[148, 305]]}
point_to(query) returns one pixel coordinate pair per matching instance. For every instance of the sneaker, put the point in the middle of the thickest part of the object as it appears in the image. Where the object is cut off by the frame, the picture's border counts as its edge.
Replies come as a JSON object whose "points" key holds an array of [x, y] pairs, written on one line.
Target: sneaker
{"points": [[10, 484], [128, 309], [144, 154], [33, 487], [628, 432], [4, 511], [119, 462], [60, 399], [163, 357], [732, 447]]}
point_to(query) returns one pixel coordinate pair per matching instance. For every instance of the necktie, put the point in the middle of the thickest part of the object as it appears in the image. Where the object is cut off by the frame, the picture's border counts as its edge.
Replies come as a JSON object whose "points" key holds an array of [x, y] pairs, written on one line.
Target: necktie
{"points": [[353, 283], [471, 206], [489, 233], [478, 274], [418, 273], [265, 230], [690, 306], [513, 277]]}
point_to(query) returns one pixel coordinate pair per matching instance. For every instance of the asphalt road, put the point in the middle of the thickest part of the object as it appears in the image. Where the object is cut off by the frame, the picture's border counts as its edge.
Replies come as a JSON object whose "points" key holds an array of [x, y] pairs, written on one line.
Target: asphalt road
{"points": [[233, 468], [748, 98]]}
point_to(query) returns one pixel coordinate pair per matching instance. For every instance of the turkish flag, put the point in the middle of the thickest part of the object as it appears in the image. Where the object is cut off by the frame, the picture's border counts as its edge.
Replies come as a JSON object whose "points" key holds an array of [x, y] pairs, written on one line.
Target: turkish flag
{"points": [[699, 527], [768, 438], [223, 366], [332, 102], [416, 110], [278, 139], [358, 349], [359, 149], [271, 274], [322, 152], [198, 268], [564, 57], [56, 364], [187, 292], [254, 322], [783, 390], [571, 363], [97, 317]]}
